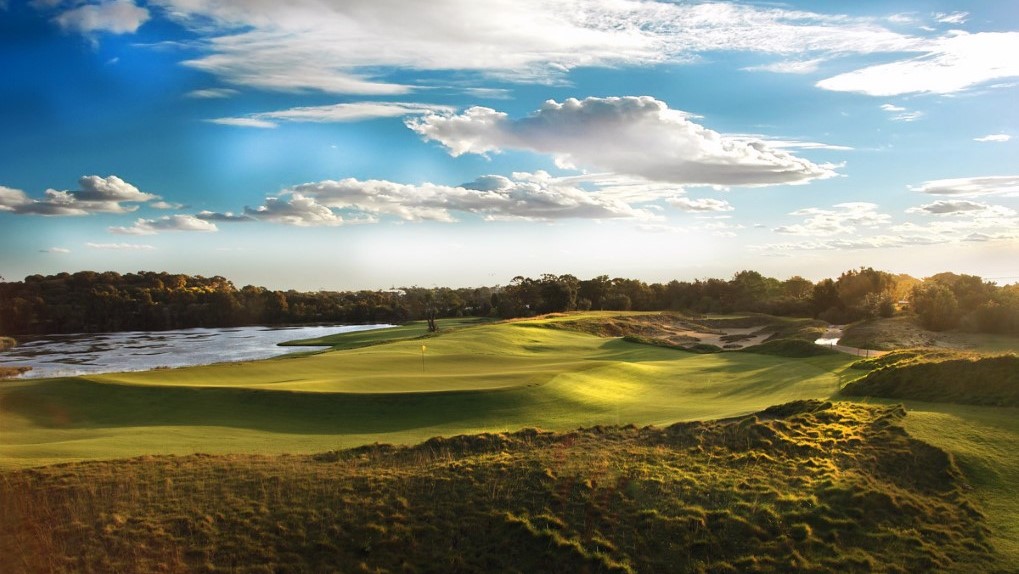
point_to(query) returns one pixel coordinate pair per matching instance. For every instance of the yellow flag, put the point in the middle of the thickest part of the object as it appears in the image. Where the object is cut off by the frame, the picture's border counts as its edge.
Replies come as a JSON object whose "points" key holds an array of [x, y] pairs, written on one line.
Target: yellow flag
{"points": [[422, 348]]}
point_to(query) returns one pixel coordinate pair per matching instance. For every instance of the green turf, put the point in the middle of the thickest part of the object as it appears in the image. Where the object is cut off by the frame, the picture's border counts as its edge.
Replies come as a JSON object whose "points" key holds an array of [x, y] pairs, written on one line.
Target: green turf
{"points": [[410, 330], [475, 377], [494, 377]]}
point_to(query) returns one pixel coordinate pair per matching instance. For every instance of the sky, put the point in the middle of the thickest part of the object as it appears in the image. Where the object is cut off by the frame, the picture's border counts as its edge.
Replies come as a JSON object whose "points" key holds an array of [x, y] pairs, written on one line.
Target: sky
{"points": [[369, 144]]}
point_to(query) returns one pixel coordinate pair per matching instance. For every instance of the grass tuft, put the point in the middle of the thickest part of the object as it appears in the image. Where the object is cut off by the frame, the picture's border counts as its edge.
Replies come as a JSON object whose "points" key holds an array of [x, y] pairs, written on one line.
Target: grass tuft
{"points": [[768, 492], [940, 376]]}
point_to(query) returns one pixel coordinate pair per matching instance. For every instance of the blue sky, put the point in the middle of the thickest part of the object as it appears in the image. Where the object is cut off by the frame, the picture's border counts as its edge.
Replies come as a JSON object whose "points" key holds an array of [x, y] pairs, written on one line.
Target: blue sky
{"points": [[366, 144]]}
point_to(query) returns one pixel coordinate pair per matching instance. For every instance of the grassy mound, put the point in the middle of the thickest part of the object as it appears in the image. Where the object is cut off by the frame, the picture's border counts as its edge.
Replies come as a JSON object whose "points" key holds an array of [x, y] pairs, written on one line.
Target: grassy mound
{"points": [[796, 348], [808, 486], [940, 376]]}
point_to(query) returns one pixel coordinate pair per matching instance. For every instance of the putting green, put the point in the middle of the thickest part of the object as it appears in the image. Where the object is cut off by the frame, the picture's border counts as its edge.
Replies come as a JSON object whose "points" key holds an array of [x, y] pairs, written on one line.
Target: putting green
{"points": [[492, 377]]}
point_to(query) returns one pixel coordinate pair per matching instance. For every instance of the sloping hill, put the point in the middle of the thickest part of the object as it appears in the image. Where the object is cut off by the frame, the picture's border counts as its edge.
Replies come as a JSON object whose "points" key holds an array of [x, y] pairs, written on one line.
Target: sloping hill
{"points": [[940, 376], [809, 486]]}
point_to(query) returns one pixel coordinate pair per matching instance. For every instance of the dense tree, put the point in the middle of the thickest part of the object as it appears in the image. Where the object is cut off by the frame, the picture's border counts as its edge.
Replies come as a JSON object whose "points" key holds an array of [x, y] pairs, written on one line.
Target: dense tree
{"points": [[935, 305], [89, 302]]}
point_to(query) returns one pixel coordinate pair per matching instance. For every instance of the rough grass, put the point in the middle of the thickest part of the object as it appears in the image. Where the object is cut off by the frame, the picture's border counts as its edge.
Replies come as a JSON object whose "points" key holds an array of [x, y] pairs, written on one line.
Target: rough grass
{"points": [[940, 376], [903, 332], [808, 486]]}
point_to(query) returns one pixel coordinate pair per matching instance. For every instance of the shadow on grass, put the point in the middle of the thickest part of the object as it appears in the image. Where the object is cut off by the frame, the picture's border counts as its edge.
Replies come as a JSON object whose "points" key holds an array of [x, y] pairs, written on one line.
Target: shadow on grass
{"points": [[80, 403]]}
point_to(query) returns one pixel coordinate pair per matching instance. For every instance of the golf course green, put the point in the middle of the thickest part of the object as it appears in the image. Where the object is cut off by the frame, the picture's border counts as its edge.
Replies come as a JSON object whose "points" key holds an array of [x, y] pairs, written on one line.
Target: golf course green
{"points": [[486, 377], [405, 386]]}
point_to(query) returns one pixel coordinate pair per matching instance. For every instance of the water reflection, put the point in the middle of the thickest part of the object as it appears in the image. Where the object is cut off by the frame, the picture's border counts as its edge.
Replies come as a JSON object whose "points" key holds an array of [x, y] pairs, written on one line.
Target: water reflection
{"points": [[81, 354]]}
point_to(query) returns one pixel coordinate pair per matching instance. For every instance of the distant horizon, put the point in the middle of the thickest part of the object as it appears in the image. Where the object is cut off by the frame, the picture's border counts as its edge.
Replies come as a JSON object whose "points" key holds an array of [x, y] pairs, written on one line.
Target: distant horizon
{"points": [[362, 144]]}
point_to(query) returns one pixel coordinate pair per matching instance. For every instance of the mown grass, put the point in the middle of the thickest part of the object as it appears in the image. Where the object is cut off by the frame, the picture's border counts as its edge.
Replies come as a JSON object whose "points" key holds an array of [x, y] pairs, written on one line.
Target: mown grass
{"points": [[491, 378], [809, 486], [412, 330], [940, 376]]}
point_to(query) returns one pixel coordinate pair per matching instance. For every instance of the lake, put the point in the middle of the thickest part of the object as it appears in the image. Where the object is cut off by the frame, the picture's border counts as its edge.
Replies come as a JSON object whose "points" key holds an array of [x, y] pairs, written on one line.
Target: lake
{"points": [[83, 354]]}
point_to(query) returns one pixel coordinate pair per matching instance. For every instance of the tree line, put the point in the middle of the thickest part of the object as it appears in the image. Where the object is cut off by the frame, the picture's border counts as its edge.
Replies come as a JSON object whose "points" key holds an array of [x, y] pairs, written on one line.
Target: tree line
{"points": [[146, 301]]}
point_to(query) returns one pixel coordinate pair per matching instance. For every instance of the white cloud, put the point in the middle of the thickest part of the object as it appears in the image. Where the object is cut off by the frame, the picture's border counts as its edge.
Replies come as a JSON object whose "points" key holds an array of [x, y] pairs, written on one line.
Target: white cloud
{"points": [[961, 207], [950, 64], [789, 67], [96, 195], [227, 217], [56, 250], [212, 93], [244, 122], [704, 204], [112, 188], [999, 138], [348, 112], [845, 218], [352, 46], [952, 17], [796, 144], [971, 186], [901, 113], [113, 16], [528, 196], [637, 136], [165, 205], [166, 223], [298, 210], [120, 246]]}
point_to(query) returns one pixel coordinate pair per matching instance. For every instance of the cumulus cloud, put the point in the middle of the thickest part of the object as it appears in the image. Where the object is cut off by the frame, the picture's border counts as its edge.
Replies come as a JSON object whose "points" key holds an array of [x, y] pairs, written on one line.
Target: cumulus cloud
{"points": [[120, 246], [166, 223], [298, 210], [638, 136], [95, 195], [704, 204], [524, 196], [529, 196], [950, 64], [998, 138], [112, 16], [845, 218], [347, 112], [961, 206], [352, 46], [1007, 185]]}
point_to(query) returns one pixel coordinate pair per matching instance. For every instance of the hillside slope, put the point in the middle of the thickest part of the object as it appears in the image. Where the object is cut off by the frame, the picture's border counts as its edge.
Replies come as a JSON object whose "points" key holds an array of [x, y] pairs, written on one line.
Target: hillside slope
{"points": [[808, 486]]}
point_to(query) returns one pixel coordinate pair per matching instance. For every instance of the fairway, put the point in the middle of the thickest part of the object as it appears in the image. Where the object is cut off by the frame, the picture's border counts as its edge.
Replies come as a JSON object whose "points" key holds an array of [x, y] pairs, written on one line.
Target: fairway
{"points": [[491, 377]]}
